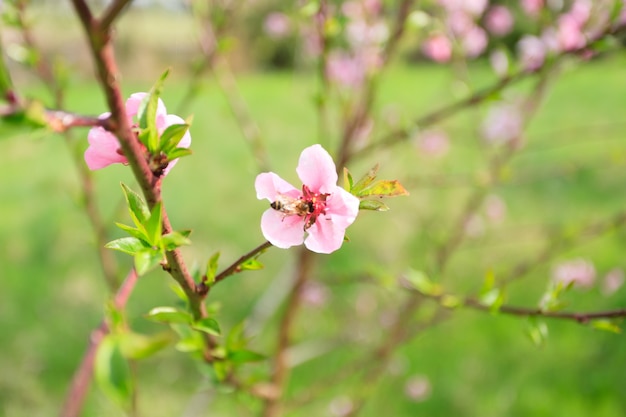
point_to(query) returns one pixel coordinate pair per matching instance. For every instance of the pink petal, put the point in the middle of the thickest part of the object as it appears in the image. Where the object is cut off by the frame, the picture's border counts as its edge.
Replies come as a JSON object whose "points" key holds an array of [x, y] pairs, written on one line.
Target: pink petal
{"points": [[103, 149], [325, 236], [342, 207], [269, 185], [132, 108], [282, 231], [317, 170]]}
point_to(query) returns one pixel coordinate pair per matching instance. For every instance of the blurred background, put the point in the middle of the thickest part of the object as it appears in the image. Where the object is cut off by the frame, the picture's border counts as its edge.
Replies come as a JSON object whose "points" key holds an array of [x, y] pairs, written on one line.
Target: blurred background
{"points": [[556, 207]]}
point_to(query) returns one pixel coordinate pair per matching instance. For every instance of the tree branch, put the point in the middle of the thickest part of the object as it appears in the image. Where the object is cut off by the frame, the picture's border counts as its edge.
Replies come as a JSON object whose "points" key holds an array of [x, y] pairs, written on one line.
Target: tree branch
{"points": [[112, 12]]}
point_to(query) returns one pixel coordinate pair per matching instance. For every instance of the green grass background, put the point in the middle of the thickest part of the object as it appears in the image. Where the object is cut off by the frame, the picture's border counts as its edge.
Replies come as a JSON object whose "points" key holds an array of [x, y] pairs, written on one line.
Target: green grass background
{"points": [[570, 172]]}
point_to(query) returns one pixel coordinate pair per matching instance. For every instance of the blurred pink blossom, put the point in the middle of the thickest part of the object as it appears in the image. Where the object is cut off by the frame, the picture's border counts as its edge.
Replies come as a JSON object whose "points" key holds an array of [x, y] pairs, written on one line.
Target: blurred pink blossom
{"points": [[438, 48], [579, 271], [499, 61], [474, 42], [345, 70], [104, 148], [314, 294], [277, 25], [532, 7], [502, 124], [581, 11], [459, 22], [532, 52], [418, 388], [341, 406], [472, 7], [321, 209], [570, 33], [474, 226], [433, 143], [495, 208], [499, 20], [613, 281]]}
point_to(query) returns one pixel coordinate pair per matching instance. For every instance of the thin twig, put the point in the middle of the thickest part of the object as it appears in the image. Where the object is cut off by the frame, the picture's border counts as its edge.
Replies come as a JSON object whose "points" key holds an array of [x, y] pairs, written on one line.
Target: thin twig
{"points": [[281, 371], [82, 376], [236, 266], [112, 13]]}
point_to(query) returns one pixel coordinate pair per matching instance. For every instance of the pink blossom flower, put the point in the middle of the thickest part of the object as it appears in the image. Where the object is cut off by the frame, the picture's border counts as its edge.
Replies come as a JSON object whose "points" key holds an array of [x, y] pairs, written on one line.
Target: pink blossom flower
{"points": [[570, 33], [502, 124], [613, 280], [474, 42], [532, 7], [276, 25], [532, 52], [345, 70], [499, 20], [499, 61], [104, 148], [433, 143], [438, 48], [579, 271], [418, 388], [321, 209]]}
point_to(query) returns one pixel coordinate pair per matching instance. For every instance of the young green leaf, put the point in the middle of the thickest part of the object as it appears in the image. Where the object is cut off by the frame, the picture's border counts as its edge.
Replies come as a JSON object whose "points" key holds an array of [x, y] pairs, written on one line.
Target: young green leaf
{"points": [[147, 259], [347, 180], [178, 153], [113, 373], [245, 355], [169, 315], [606, 325], [139, 233], [422, 283], [211, 268], [207, 325], [251, 265], [147, 114], [365, 181], [174, 240], [537, 331], [139, 346], [375, 205], [172, 136], [137, 207], [154, 225], [129, 245]]}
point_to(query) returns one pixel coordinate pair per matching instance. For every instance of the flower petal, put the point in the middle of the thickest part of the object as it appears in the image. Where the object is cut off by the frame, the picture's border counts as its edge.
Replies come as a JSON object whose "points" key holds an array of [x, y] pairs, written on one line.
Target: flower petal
{"points": [[342, 207], [282, 231], [269, 185], [103, 149], [317, 170], [132, 108], [325, 236]]}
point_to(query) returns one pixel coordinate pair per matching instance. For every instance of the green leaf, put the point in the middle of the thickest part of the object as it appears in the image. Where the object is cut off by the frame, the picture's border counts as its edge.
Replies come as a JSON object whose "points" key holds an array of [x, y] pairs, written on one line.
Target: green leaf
{"points": [[147, 259], [172, 136], [129, 245], [6, 85], [375, 205], [493, 298], [606, 325], [251, 265], [422, 283], [348, 182], [211, 268], [154, 225], [207, 325], [139, 346], [236, 339], [222, 369], [147, 114], [244, 355], [180, 293], [178, 153], [365, 181], [193, 343], [133, 231], [113, 372], [169, 315], [137, 207], [537, 331], [174, 240], [382, 188]]}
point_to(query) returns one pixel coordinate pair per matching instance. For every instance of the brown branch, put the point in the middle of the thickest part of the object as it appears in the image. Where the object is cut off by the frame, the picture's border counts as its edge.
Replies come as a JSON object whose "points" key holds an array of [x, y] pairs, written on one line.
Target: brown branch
{"points": [[280, 376], [82, 377], [580, 317], [112, 13], [235, 267], [104, 58]]}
